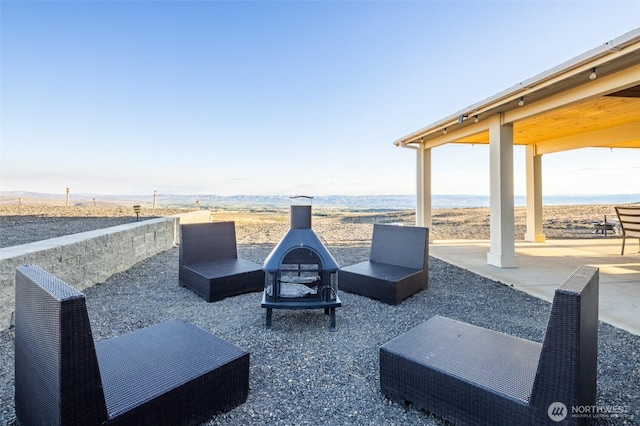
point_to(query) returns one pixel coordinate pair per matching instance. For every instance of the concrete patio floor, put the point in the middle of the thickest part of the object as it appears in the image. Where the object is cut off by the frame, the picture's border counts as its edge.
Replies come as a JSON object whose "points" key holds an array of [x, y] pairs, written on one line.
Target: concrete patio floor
{"points": [[544, 266]]}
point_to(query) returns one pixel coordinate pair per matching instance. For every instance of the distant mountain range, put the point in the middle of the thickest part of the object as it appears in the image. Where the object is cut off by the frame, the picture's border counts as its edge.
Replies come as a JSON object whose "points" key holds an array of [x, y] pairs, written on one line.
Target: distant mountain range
{"points": [[390, 202], [364, 202]]}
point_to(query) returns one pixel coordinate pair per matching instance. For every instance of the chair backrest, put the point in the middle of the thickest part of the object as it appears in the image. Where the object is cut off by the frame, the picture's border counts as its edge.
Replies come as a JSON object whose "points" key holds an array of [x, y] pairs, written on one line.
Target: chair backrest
{"points": [[57, 378], [629, 218], [568, 361], [406, 246], [206, 242]]}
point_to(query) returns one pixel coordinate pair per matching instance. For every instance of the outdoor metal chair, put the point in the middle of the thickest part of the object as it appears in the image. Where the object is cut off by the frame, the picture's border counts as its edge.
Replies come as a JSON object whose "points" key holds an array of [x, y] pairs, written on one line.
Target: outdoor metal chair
{"points": [[629, 218], [172, 373], [209, 263], [475, 376], [397, 267]]}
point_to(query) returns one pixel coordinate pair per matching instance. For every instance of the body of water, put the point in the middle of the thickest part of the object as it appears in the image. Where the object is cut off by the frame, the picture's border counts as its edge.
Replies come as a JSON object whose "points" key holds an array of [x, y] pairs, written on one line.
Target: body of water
{"points": [[465, 201], [452, 201]]}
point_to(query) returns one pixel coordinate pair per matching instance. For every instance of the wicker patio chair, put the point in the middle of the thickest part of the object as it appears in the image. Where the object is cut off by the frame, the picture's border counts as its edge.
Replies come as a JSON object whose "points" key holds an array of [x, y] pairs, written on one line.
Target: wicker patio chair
{"points": [[474, 376], [397, 267], [209, 263], [172, 373]]}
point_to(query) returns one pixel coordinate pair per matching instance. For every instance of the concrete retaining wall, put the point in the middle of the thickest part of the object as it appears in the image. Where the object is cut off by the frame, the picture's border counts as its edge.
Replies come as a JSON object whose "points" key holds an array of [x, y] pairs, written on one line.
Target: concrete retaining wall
{"points": [[87, 258]]}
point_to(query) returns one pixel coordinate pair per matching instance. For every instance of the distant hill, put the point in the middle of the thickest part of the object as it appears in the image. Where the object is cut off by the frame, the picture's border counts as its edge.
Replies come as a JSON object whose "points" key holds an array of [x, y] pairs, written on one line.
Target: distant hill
{"points": [[351, 202]]}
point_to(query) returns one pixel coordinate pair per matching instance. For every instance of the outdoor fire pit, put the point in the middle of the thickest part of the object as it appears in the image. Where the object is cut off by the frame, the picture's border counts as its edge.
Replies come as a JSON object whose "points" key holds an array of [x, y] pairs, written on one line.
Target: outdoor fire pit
{"points": [[300, 273]]}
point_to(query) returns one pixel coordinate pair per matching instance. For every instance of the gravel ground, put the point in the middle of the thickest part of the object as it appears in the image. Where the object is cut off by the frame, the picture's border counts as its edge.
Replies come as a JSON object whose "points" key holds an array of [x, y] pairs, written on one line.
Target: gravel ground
{"points": [[303, 374], [28, 224]]}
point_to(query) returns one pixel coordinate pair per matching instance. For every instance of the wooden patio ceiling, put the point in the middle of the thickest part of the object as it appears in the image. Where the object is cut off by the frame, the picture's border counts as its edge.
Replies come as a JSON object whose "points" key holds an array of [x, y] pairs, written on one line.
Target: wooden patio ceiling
{"points": [[619, 110]]}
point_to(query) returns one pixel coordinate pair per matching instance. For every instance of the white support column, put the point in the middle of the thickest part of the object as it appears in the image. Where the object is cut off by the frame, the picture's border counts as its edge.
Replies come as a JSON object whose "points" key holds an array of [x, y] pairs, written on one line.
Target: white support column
{"points": [[534, 232], [502, 251], [424, 185], [419, 186]]}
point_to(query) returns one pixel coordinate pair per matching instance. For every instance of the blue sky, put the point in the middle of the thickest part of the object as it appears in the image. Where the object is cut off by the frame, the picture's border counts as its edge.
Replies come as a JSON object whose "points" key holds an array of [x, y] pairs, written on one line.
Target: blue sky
{"points": [[189, 97]]}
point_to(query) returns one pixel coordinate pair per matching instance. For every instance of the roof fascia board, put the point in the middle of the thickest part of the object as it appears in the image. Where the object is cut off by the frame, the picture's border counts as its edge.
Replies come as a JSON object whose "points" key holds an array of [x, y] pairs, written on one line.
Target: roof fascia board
{"points": [[456, 135], [602, 85], [609, 50]]}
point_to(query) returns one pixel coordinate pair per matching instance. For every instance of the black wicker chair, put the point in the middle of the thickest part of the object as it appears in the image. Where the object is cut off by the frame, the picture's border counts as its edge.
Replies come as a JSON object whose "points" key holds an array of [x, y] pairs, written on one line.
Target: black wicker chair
{"points": [[397, 267], [474, 376], [209, 263], [172, 373]]}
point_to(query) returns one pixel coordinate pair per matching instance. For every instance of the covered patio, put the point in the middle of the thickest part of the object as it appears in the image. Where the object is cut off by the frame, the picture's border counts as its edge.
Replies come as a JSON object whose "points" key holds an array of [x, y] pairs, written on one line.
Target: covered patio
{"points": [[590, 101], [543, 267]]}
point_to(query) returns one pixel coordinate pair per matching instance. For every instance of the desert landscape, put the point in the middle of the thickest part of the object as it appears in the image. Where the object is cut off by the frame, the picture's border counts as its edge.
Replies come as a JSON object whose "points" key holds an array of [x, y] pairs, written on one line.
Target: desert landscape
{"points": [[337, 226]]}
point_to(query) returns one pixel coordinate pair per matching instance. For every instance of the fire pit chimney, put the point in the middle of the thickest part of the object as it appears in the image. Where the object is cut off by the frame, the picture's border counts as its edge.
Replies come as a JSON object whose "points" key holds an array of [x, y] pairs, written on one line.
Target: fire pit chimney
{"points": [[300, 212]]}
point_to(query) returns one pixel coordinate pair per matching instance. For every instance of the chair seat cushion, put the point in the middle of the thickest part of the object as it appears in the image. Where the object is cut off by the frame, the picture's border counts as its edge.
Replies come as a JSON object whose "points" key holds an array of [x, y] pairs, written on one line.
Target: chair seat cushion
{"points": [[169, 359], [474, 355], [383, 271], [224, 268]]}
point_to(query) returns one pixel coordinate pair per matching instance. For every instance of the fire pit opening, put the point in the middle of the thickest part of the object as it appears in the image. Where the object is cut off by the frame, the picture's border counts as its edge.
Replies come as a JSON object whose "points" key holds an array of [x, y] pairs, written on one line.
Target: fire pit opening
{"points": [[300, 273]]}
